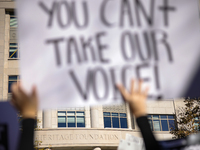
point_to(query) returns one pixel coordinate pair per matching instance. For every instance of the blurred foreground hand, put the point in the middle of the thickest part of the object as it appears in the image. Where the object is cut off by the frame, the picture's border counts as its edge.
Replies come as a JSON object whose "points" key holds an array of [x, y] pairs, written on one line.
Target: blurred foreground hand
{"points": [[136, 98], [26, 104]]}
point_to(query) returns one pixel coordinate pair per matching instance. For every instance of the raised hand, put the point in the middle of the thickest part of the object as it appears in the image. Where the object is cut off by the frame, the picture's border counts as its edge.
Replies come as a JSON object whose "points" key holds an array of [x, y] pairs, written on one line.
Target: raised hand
{"points": [[136, 98], [26, 104]]}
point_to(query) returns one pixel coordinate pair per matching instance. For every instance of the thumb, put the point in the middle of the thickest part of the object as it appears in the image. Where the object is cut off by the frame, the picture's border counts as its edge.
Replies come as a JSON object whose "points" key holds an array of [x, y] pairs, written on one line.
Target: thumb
{"points": [[123, 92]]}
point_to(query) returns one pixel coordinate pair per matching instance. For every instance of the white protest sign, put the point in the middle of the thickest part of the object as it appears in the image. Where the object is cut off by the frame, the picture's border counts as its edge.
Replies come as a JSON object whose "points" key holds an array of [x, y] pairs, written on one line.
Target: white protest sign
{"points": [[75, 51], [134, 139], [127, 145], [131, 142]]}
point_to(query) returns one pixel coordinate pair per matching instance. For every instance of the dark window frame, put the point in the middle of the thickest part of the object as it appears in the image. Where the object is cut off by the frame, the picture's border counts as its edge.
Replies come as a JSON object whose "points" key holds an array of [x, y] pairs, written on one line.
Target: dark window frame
{"points": [[160, 119], [197, 123], [12, 14], [15, 46], [76, 116], [119, 119], [12, 80]]}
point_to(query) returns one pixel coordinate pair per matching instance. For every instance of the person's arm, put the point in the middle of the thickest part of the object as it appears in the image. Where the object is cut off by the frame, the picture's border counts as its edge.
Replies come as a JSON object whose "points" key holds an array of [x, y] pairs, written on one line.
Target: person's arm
{"points": [[149, 139], [27, 134], [27, 105], [137, 101]]}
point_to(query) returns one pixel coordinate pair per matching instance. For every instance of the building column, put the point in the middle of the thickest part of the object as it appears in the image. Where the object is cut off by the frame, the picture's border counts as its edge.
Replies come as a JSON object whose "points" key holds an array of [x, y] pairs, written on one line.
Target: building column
{"points": [[47, 119], [87, 117], [129, 116], [96, 117], [54, 118], [2, 41], [39, 119]]}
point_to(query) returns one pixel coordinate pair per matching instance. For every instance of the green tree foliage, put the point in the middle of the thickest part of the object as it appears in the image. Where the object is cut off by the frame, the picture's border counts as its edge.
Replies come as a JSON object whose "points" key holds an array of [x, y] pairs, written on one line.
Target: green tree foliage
{"points": [[188, 118]]}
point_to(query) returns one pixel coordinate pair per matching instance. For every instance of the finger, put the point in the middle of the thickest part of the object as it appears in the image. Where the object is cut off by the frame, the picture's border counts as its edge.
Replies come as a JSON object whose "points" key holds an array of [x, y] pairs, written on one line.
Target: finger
{"points": [[17, 93], [14, 89], [18, 82], [140, 86], [132, 86], [123, 91], [23, 95], [14, 97], [34, 91], [13, 101], [34, 95], [146, 91]]}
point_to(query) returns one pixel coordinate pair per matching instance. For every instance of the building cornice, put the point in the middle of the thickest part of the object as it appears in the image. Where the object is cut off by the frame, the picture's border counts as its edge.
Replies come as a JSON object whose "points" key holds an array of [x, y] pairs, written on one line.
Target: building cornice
{"points": [[7, 5]]}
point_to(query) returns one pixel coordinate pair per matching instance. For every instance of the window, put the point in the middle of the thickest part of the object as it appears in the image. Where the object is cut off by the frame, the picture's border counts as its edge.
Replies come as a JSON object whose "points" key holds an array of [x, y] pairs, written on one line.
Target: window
{"points": [[13, 47], [13, 50], [197, 123], [161, 122], [115, 120], [71, 119], [13, 19], [11, 80]]}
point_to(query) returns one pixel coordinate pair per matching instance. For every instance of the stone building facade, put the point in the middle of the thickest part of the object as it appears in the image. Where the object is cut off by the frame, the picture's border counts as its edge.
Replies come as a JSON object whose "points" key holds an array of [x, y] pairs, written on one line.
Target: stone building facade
{"points": [[85, 128]]}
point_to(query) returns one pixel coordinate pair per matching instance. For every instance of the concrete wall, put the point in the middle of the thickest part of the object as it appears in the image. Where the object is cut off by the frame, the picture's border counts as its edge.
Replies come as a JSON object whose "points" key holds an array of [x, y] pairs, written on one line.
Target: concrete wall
{"points": [[6, 67], [160, 107], [2, 45], [73, 137]]}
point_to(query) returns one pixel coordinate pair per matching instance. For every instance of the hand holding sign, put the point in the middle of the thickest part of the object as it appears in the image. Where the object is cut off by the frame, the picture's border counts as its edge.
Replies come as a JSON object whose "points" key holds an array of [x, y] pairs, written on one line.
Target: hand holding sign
{"points": [[26, 104], [136, 98]]}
